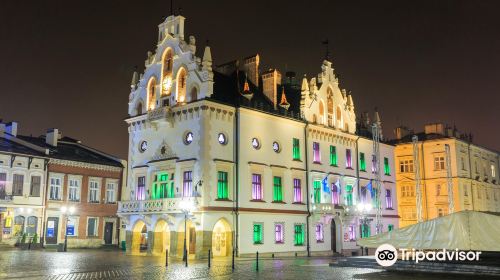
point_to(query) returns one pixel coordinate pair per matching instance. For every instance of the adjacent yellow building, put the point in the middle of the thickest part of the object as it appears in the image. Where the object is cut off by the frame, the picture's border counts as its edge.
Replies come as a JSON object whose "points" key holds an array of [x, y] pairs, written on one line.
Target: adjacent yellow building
{"points": [[474, 174]]}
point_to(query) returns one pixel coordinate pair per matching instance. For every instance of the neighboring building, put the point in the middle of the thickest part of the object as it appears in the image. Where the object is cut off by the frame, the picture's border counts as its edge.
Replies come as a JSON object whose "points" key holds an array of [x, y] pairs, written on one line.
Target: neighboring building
{"points": [[84, 180], [267, 166], [22, 186], [474, 174]]}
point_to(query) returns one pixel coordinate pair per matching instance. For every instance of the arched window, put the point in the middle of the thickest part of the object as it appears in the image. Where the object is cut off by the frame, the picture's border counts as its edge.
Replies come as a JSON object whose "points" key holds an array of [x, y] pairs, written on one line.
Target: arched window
{"points": [[339, 117], [166, 77], [181, 85], [329, 105], [18, 225], [194, 94], [321, 112], [151, 93], [139, 108]]}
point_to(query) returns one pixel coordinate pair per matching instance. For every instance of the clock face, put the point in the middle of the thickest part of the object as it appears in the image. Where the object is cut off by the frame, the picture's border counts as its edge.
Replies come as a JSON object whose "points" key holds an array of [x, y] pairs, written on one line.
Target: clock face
{"points": [[188, 139], [255, 143], [143, 146], [276, 147], [222, 139]]}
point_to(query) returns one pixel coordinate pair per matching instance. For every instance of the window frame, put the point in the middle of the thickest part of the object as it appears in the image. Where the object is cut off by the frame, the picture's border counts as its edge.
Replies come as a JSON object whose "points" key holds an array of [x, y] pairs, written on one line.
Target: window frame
{"points": [[32, 185], [96, 188], [96, 227]]}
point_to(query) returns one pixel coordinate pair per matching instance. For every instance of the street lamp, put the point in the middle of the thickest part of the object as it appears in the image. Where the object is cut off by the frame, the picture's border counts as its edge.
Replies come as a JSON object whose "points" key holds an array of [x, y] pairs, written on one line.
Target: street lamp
{"points": [[186, 207], [67, 211]]}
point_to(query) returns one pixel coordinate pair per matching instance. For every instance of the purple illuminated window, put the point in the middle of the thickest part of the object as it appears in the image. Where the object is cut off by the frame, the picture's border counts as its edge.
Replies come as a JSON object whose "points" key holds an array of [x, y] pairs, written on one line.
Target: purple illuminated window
{"points": [[352, 232], [363, 194], [141, 188], [374, 164], [256, 187], [319, 233], [187, 184], [316, 153], [335, 194], [388, 199], [297, 191], [279, 233], [348, 158]]}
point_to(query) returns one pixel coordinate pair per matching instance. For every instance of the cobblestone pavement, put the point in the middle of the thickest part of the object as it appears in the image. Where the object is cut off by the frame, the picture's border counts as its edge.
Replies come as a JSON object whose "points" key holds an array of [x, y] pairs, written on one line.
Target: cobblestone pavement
{"points": [[114, 264]]}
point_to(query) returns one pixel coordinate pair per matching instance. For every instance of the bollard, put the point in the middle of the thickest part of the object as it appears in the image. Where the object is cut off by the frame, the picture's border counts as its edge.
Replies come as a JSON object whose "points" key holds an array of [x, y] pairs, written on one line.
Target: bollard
{"points": [[272, 256], [166, 257], [187, 256], [257, 263], [295, 254], [233, 260], [209, 251]]}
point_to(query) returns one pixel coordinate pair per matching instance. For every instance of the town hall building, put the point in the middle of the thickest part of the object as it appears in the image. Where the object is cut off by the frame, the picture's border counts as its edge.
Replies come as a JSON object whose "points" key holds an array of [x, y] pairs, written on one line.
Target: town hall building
{"points": [[231, 158]]}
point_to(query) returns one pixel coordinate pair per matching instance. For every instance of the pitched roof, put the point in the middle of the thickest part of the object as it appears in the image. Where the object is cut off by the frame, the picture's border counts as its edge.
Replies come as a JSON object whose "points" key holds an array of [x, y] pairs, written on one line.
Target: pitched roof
{"points": [[13, 147], [71, 149]]}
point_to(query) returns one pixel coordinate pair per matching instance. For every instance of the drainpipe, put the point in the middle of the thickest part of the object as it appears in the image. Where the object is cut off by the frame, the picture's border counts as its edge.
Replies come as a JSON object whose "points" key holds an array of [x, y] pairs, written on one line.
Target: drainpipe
{"points": [[307, 190], [237, 178], [424, 180]]}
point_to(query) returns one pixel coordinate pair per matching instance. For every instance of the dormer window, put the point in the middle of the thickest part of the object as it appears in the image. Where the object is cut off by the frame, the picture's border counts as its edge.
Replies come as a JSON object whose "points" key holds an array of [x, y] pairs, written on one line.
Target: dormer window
{"points": [[151, 93]]}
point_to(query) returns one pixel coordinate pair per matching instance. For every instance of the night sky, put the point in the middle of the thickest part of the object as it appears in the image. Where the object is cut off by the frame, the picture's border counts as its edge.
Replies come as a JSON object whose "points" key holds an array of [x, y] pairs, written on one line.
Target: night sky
{"points": [[68, 64]]}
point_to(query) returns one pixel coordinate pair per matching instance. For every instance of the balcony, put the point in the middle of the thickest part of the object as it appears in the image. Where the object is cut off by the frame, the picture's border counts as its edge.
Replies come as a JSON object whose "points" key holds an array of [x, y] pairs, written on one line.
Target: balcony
{"points": [[323, 208], [160, 113], [165, 205]]}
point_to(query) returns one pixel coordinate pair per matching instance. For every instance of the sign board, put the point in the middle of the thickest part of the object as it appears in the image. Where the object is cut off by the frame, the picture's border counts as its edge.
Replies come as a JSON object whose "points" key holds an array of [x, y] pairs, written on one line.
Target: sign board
{"points": [[70, 229], [50, 229]]}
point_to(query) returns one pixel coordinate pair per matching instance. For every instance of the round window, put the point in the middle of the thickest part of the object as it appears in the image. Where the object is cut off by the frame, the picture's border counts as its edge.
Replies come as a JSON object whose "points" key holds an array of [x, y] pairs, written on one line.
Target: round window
{"points": [[255, 143], [143, 146], [188, 138], [222, 139], [276, 147]]}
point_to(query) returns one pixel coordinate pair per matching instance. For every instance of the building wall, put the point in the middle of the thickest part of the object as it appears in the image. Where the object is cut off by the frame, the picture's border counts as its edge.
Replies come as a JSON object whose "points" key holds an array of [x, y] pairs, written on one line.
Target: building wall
{"points": [[103, 211]]}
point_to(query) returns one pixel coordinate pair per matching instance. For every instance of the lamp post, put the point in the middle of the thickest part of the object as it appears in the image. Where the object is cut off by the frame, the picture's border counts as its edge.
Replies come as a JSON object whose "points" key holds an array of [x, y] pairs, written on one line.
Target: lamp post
{"points": [[67, 211], [186, 207]]}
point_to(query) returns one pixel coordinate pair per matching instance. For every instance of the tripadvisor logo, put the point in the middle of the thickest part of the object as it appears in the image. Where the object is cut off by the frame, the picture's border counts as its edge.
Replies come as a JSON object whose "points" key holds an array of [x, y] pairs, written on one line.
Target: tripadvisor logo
{"points": [[387, 255]]}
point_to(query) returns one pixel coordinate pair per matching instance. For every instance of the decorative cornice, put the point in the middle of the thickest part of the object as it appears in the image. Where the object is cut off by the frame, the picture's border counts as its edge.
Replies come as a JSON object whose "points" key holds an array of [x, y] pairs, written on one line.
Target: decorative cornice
{"points": [[87, 165]]}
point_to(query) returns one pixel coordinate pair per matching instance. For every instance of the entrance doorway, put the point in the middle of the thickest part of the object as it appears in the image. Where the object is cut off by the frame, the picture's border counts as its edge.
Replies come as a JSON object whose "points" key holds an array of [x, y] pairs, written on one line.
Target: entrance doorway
{"points": [[221, 239], [333, 231], [52, 230], [192, 240], [108, 233]]}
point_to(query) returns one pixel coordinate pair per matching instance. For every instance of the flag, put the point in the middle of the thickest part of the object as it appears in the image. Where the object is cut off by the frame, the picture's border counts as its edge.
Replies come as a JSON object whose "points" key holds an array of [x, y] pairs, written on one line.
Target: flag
{"points": [[326, 189]]}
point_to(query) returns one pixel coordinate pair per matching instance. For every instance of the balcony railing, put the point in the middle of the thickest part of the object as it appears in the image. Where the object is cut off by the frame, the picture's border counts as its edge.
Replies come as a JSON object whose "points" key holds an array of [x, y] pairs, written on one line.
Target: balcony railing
{"points": [[153, 205], [159, 113], [323, 208]]}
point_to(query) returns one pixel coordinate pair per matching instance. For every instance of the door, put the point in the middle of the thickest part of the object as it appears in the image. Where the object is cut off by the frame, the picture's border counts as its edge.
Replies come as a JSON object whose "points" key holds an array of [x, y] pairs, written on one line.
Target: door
{"points": [[108, 233], [333, 236], [52, 230], [192, 240]]}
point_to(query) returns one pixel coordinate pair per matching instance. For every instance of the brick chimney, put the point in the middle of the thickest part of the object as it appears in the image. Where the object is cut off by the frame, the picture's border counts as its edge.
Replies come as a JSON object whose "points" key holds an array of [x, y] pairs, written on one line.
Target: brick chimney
{"points": [[435, 128], [251, 67], [402, 131], [11, 128], [52, 137], [270, 81]]}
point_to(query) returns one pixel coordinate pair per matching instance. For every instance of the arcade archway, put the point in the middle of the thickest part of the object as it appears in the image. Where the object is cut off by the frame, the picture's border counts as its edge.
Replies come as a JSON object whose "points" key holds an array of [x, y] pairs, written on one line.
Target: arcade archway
{"points": [[222, 239], [161, 237]]}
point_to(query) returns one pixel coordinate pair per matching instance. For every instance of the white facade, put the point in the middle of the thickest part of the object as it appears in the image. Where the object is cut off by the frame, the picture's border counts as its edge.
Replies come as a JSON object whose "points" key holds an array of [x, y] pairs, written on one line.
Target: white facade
{"points": [[249, 173]]}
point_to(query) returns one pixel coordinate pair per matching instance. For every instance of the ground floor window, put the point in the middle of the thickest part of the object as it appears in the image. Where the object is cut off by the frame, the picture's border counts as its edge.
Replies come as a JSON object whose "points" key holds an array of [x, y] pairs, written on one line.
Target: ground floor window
{"points": [[365, 230], [279, 233], [257, 234], [299, 234], [222, 188], [351, 233], [319, 233], [278, 189], [92, 226], [390, 227], [31, 225]]}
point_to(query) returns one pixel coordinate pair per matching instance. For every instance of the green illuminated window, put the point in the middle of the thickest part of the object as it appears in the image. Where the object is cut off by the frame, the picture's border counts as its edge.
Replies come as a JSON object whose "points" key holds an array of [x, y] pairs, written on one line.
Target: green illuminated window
{"points": [[277, 189], [390, 227], [387, 168], [362, 162], [299, 235], [222, 189], [296, 149], [171, 189], [333, 155], [257, 234], [365, 230], [317, 191], [348, 196]]}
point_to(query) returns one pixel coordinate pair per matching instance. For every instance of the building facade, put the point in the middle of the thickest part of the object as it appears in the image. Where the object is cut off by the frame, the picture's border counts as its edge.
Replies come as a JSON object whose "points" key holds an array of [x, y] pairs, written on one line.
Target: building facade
{"points": [[473, 176], [23, 169], [228, 159]]}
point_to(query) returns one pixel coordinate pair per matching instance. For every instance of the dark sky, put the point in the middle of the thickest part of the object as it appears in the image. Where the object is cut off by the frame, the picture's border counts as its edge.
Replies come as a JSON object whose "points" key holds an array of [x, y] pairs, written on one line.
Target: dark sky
{"points": [[68, 64]]}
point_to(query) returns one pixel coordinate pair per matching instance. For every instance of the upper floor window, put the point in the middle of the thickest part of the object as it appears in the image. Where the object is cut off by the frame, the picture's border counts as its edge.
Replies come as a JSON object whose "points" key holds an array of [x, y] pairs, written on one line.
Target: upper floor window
{"points": [[442, 212], [493, 173], [3, 183], [409, 213], [362, 162], [141, 188], [348, 159], [321, 112], [316, 152], [335, 194], [406, 166], [348, 196], [160, 186], [110, 192], [277, 189], [297, 191], [319, 233], [35, 186], [317, 191], [181, 85], [55, 188], [438, 190], [256, 187], [74, 189], [187, 184], [351, 233], [329, 105], [17, 184], [365, 230], [333, 156], [407, 191], [222, 188], [438, 163], [151, 93], [167, 72], [296, 149], [388, 199], [94, 191], [387, 167]]}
